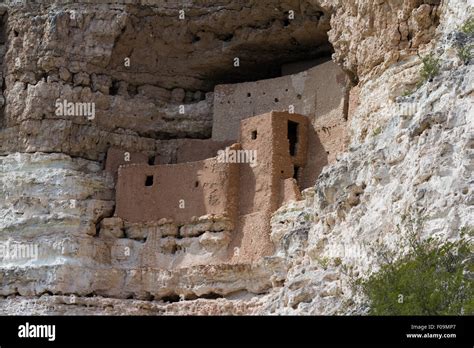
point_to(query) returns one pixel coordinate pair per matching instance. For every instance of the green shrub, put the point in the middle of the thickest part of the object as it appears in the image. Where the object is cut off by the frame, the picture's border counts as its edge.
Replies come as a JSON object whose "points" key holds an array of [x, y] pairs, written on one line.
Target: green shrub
{"points": [[430, 68], [376, 131], [468, 27], [465, 53], [432, 279], [323, 262]]}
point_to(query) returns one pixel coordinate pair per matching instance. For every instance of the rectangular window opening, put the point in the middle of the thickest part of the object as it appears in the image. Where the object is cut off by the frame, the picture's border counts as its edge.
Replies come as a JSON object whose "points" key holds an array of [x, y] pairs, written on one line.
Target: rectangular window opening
{"points": [[293, 137], [149, 180], [254, 135], [296, 172]]}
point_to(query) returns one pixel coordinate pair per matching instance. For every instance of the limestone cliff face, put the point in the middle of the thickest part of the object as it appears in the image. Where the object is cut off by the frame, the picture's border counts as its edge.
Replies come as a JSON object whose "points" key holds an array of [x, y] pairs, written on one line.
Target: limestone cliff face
{"points": [[137, 64], [408, 157], [370, 36]]}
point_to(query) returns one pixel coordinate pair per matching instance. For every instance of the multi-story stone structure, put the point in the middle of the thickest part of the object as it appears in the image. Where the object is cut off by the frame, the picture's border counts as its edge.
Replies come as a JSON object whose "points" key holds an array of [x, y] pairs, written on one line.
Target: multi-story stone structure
{"points": [[320, 93], [245, 183], [262, 153]]}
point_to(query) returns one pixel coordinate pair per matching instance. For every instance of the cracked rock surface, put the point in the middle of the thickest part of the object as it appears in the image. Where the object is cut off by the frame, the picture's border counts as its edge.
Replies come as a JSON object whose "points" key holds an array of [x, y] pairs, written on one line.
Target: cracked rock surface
{"points": [[410, 154]]}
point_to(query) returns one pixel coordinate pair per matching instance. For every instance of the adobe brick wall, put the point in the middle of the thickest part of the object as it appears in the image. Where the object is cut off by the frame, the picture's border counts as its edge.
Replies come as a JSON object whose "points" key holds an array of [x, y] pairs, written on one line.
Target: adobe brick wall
{"points": [[169, 152], [289, 191], [256, 185], [116, 157], [330, 122], [283, 162], [191, 150], [251, 238], [319, 93], [187, 150], [204, 186], [332, 108], [235, 102], [262, 187], [313, 93]]}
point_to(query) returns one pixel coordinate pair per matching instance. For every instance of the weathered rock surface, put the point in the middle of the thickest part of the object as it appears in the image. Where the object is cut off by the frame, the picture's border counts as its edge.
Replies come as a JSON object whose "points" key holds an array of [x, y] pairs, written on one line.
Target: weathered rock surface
{"points": [[369, 36], [409, 157], [63, 206], [137, 64], [97, 305]]}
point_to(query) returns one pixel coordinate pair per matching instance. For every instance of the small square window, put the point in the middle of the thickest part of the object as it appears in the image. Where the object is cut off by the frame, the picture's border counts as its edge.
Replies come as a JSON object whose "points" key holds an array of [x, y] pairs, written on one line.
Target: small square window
{"points": [[254, 135], [149, 180]]}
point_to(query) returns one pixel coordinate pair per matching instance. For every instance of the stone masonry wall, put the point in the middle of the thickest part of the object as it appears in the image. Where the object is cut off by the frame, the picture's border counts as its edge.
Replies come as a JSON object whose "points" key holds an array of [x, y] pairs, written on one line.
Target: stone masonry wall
{"points": [[260, 186], [179, 191], [319, 93]]}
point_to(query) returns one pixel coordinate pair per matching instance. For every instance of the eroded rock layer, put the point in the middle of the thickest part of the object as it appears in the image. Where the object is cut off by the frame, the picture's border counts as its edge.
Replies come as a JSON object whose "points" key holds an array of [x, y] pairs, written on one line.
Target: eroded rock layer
{"points": [[410, 155]]}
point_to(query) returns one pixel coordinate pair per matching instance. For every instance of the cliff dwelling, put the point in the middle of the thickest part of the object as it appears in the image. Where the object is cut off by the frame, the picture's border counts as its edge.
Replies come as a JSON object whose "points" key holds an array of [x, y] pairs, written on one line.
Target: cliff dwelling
{"points": [[203, 127], [280, 133], [231, 157]]}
